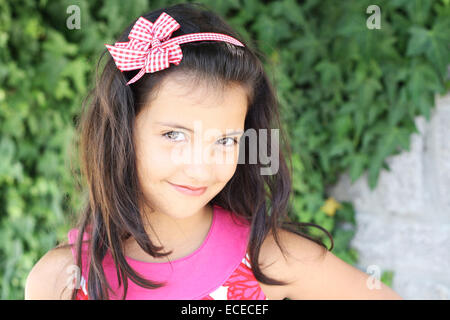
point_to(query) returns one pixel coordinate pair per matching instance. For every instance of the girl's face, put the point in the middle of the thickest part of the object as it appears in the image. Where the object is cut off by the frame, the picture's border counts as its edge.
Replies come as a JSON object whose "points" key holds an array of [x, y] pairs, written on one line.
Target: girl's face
{"points": [[188, 136]]}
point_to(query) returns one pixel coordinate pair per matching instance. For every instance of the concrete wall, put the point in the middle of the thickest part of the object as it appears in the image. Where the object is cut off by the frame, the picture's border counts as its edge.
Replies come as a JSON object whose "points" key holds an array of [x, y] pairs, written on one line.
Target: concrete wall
{"points": [[404, 224]]}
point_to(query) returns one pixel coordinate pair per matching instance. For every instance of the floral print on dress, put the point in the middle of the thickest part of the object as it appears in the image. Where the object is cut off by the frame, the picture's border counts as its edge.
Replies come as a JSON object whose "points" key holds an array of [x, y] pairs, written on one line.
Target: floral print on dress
{"points": [[241, 285], [82, 294]]}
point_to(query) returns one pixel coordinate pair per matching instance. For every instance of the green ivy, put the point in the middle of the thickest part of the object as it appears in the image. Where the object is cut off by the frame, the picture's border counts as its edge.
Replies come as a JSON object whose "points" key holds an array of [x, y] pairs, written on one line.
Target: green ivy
{"points": [[386, 277], [348, 97]]}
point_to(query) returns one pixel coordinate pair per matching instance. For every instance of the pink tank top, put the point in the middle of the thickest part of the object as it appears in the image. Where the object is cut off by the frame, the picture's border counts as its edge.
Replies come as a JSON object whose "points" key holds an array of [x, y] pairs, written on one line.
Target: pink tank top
{"points": [[218, 270]]}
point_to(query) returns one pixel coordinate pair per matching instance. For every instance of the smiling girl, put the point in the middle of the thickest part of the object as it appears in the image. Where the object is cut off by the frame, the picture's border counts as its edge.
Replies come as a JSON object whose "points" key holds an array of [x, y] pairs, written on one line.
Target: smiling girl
{"points": [[166, 217]]}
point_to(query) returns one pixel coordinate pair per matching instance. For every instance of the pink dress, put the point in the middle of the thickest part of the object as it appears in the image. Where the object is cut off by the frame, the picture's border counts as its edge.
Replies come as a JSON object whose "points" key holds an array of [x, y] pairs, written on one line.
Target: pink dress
{"points": [[218, 270]]}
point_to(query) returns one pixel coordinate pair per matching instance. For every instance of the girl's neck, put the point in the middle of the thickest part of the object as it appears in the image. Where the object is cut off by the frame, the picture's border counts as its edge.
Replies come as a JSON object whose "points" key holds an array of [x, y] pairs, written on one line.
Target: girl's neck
{"points": [[182, 237]]}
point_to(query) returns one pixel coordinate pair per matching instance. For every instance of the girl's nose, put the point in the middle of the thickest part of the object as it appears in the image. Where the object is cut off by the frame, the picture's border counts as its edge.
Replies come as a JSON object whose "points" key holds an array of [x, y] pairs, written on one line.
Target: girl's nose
{"points": [[198, 173], [197, 165]]}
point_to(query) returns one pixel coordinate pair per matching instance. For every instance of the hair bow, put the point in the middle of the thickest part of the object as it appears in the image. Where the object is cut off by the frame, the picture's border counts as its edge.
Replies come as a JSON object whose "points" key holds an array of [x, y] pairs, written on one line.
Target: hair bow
{"points": [[150, 48]]}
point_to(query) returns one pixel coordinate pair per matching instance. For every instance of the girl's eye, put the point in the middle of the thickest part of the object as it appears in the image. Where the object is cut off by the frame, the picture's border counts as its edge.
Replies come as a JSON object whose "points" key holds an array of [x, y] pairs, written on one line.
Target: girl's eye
{"points": [[171, 133], [233, 141]]}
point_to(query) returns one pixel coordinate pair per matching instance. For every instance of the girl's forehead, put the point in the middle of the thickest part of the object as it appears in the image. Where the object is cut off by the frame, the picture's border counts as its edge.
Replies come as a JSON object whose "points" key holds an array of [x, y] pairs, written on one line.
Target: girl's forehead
{"points": [[173, 99], [185, 91]]}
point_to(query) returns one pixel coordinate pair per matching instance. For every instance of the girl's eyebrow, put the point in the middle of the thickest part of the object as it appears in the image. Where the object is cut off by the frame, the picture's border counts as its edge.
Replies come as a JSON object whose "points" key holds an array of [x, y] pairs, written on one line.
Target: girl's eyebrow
{"points": [[179, 126]]}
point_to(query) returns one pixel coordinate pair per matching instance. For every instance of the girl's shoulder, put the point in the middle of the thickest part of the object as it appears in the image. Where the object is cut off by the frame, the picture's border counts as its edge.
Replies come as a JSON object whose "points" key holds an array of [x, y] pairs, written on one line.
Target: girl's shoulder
{"points": [[50, 277], [278, 262]]}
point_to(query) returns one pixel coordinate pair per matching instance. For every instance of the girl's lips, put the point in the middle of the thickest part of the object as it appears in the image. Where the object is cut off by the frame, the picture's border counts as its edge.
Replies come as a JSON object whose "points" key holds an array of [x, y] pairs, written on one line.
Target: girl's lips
{"points": [[187, 191]]}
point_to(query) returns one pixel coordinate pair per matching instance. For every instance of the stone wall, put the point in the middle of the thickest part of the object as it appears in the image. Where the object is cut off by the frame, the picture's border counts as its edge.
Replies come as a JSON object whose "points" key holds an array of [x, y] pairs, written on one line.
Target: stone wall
{"points": [[403, 225]]}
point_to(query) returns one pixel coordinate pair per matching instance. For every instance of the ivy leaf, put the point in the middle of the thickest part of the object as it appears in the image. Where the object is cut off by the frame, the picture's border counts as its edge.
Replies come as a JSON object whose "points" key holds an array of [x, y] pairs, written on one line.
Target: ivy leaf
{"points": [[341, 147], [358, 163], [419, 41], [388, 144], [434, 43], [330, 73], [342, 126], [439, 51], [397, 111], [76, 70], [422, 83], [342, 238], [58, 45]]}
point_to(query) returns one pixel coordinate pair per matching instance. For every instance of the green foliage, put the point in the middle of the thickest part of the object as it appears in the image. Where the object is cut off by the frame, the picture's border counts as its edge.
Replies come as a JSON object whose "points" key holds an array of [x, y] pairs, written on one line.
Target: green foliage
{"points": [[350, 94], [45, 72], [386, 277], [348, 97]]}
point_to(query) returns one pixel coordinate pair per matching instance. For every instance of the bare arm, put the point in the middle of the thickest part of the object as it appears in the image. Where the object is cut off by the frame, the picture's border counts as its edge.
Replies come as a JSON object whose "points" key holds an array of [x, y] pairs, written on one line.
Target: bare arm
{"points": [[322, 276], [50, 276]]}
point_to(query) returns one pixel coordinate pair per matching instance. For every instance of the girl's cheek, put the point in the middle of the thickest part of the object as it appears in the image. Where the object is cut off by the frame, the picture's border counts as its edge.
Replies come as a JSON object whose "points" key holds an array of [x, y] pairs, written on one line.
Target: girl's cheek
{"points": [[155, 158], [162, 158], [225, 171]]}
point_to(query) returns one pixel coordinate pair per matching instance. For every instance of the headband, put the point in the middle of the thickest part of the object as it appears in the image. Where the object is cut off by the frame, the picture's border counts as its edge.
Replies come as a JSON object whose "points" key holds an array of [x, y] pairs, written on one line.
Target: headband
{"points": [[150, 48]]}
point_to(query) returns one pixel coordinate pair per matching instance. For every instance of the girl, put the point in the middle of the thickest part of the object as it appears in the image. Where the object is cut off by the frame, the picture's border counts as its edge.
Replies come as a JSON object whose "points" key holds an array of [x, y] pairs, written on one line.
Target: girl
{"points": [[176, 227]]}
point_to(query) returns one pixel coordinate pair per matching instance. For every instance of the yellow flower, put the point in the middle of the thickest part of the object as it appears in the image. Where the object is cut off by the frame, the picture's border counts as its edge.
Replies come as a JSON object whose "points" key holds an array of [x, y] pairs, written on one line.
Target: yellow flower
{"points": [[330, 206]]}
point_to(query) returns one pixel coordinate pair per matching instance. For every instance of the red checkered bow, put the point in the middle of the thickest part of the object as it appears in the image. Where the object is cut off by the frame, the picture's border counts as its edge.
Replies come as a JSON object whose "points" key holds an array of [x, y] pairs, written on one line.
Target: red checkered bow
{"points": [[151, 49]]}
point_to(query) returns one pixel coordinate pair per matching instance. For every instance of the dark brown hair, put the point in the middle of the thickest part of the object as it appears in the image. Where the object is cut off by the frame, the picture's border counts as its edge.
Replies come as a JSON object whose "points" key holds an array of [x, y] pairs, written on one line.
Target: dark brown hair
{"points": [[108, 161]]}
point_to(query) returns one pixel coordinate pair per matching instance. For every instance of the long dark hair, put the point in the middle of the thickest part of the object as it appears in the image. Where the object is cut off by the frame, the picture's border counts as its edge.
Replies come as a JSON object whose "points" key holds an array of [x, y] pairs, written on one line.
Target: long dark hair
{"points": [[108, 161]]}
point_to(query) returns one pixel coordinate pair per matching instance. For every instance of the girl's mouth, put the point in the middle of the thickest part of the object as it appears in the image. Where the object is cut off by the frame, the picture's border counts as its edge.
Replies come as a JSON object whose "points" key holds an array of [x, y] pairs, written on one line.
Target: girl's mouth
{"points": [[187, 190]]}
